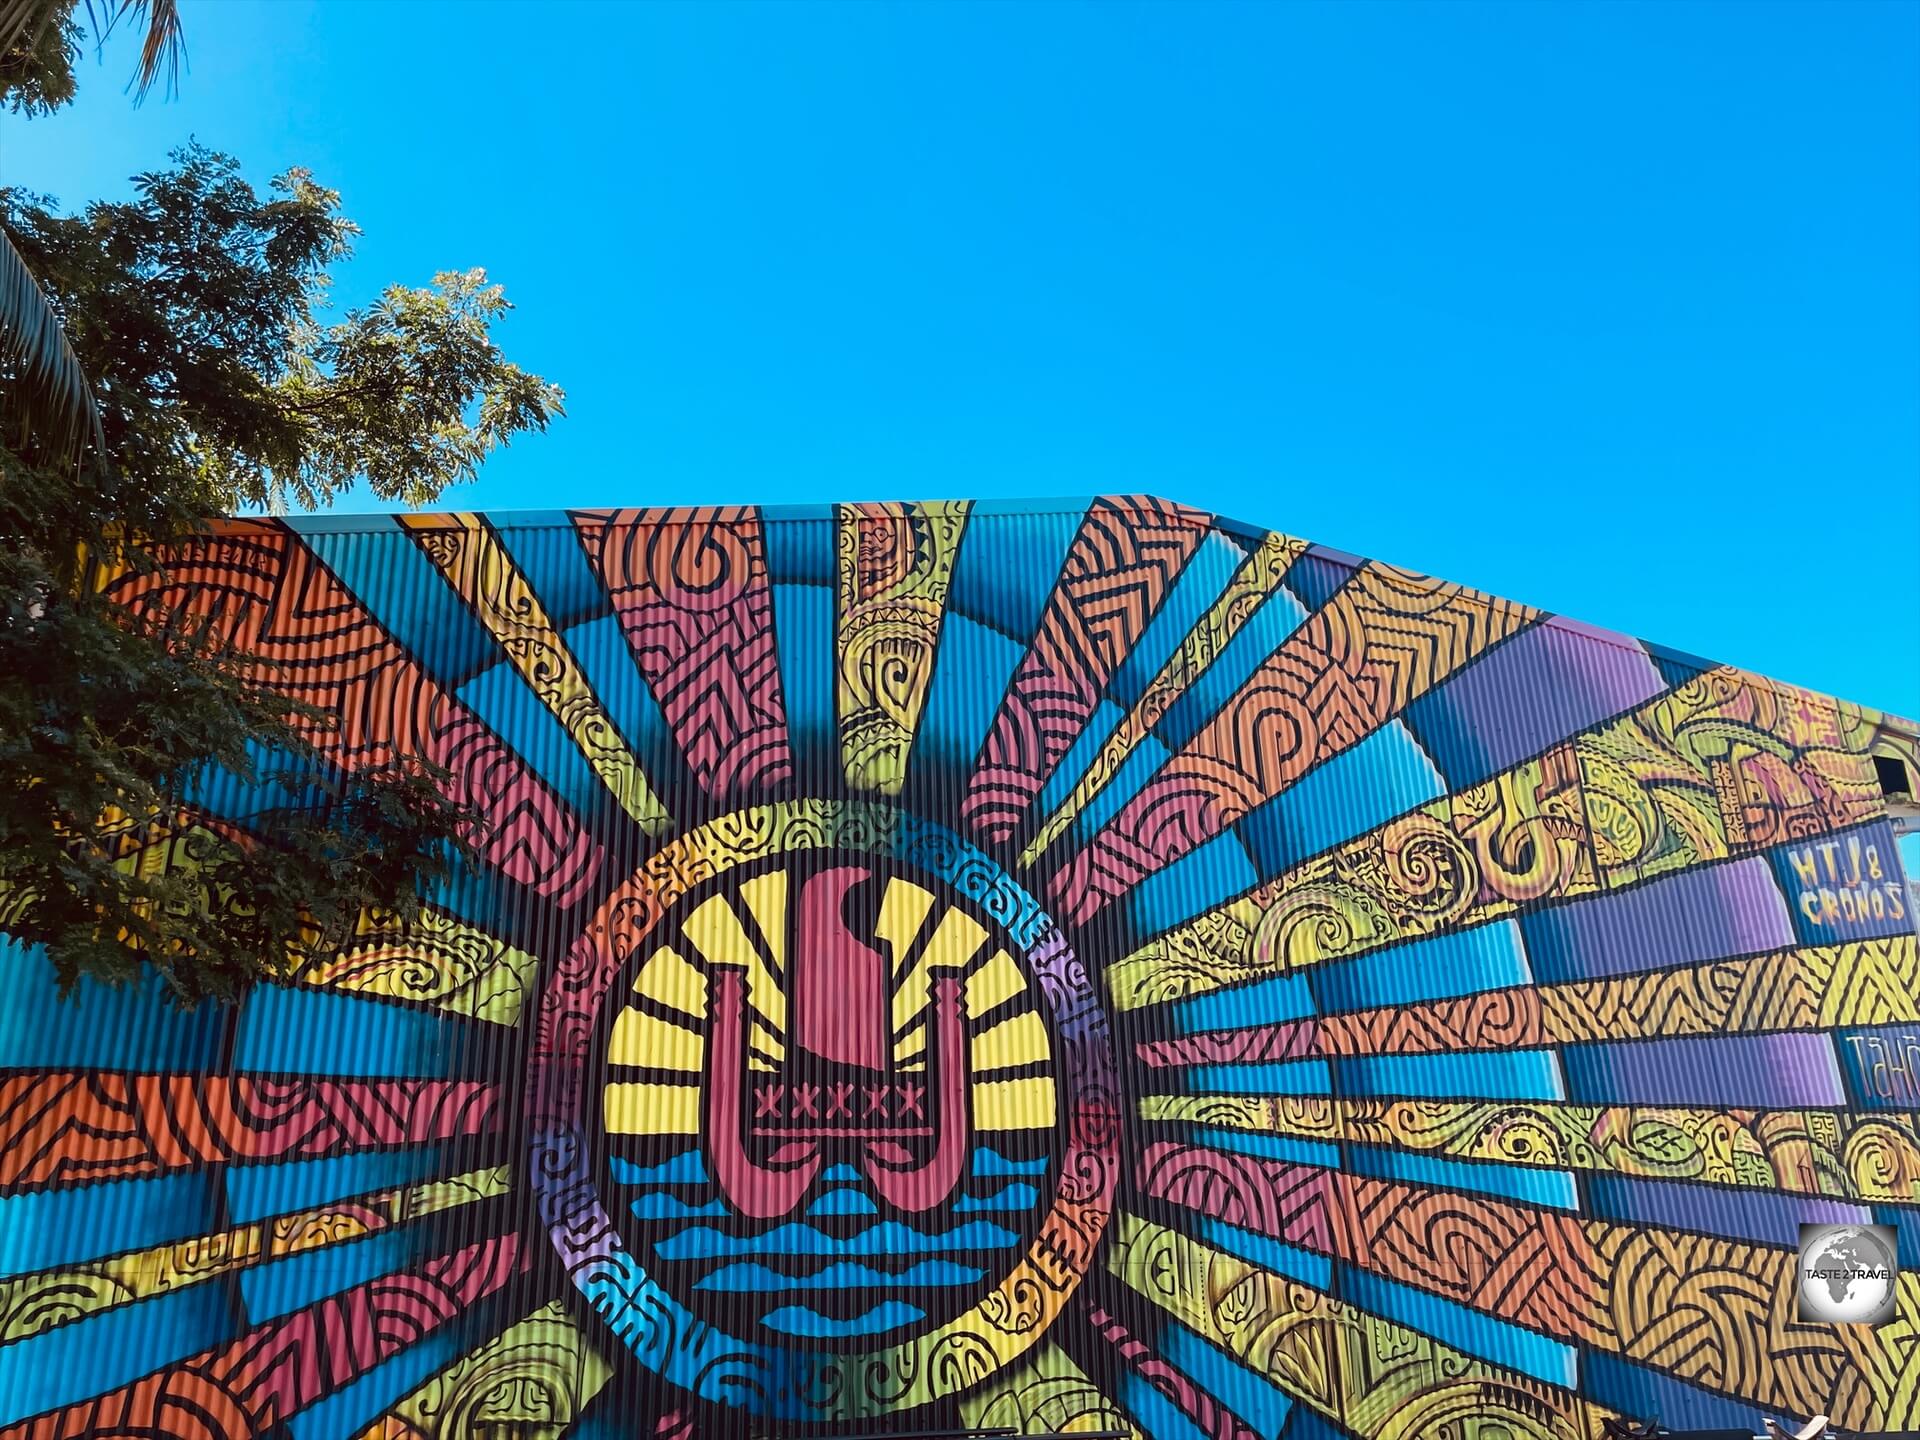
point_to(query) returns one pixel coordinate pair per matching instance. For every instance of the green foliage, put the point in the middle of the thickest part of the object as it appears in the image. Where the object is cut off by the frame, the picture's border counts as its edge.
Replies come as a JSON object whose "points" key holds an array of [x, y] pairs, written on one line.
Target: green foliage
{"points": [[40, 41], [194, 309], [37, 52], [104, 724], [195, 312]]}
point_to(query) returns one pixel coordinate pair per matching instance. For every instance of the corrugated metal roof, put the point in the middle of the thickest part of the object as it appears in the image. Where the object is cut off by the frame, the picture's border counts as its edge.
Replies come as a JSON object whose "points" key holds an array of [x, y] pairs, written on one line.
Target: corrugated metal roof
{"points": [[1059, 965]]}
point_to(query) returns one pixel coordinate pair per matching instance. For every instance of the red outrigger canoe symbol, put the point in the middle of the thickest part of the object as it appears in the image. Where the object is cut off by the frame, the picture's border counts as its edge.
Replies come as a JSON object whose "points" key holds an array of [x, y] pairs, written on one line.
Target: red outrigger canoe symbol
{"points": [[840, 1093]]}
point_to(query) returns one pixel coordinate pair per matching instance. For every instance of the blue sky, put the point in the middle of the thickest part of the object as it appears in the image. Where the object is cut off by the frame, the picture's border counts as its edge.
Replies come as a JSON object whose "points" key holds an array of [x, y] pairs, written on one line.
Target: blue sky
{"points": [[1614, 309]]}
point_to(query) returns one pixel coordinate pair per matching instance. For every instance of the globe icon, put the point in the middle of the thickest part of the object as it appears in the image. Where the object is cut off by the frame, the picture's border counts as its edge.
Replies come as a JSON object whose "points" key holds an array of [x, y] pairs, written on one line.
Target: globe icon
{"points": [[1846, 1276]]}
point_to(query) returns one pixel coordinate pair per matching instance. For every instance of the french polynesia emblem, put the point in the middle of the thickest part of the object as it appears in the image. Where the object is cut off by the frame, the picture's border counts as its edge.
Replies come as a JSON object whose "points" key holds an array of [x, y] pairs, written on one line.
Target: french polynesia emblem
{"points": [[830, 1120]]}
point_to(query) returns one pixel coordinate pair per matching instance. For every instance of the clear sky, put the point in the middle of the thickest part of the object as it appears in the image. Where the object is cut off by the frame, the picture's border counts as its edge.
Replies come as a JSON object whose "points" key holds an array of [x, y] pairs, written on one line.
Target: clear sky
{"points": [[1610, 308]]}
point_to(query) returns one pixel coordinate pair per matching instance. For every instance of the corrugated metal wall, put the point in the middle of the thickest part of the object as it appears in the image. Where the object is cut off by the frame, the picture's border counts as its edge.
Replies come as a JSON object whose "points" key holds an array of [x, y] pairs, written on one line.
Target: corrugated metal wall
{"points": [[1087, 965]]}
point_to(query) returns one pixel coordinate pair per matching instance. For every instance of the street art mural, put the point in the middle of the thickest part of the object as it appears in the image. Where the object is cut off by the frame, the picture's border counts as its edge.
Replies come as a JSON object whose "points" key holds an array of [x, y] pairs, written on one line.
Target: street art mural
{"points": [[1083, 967]]}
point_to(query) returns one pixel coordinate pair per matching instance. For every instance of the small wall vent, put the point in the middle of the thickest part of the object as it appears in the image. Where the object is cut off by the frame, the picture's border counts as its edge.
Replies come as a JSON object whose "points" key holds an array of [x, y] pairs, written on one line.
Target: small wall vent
{"points": [[1895, 781]]}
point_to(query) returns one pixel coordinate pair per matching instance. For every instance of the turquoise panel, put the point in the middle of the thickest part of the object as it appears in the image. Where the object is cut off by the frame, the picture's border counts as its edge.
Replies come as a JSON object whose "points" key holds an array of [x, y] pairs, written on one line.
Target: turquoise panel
{"points": [[1465, 1329], [314, 1032], [1005, 572], [45, 1229], [255, 1192], [803, 633], [1385, 775], [1465, 962], [1207, 573], [1530, 1184], [391, 576], [112, 1348], [1254, 1398], [1501, 1075], [134, 1027]]}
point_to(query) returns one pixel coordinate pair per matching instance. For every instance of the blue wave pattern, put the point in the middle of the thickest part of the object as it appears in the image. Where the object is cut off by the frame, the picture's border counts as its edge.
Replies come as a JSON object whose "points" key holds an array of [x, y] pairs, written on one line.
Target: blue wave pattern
{"points": [[660, 1205], [1017, 1196], [798, 1320], [842, 1274], [889, 1255], [988, 1161], [889, 1237], [843, 1202]]}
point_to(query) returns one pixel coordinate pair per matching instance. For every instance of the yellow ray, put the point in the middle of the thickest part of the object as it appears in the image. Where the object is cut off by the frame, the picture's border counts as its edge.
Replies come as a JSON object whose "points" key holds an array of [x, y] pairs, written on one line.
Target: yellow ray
{"points": [[766, 897], [953, 945], [1019, 1041], [1014, 1104], [1803, 1152], [893, 563], [913, 1043], [673, 982], [997, 981], [1294, 1323], [532, 1379], [764, 1039], [718, 935], [644, 1109], [1639, 796], [903, 912], [39, 1301], [640, 1039], [432, 959]]}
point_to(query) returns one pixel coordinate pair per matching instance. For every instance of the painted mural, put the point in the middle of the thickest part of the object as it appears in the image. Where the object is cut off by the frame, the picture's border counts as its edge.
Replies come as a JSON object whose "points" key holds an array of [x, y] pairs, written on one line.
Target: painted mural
{"points": [[1093, 967]]}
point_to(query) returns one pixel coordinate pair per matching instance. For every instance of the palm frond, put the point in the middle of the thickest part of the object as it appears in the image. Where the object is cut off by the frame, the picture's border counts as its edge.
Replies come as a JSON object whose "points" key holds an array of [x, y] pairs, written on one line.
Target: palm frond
{"points": [[22, 22], [162, 48], [44, 395]]}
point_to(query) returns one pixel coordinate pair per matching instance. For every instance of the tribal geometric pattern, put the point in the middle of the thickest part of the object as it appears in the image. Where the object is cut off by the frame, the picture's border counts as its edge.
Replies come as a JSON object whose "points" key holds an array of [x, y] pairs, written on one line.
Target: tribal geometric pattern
{"points": [[1093, 966]]}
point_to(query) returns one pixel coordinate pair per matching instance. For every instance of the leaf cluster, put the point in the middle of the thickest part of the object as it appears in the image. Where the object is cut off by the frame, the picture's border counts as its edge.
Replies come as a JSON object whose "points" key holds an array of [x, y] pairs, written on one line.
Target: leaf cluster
{"points": [[195, 311], [110, 726]]}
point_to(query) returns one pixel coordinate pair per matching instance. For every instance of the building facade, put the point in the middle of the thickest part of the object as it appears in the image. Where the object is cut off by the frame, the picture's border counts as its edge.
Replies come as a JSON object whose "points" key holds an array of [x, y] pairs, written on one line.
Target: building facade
{"points": [[1075, 966]]}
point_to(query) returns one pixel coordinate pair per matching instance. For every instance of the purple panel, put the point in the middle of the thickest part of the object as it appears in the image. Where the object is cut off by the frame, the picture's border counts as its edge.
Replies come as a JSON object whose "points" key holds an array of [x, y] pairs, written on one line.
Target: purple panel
{"points": [[1517, 700], [1704, 914], [1757, 1215], [1757, 1072]]}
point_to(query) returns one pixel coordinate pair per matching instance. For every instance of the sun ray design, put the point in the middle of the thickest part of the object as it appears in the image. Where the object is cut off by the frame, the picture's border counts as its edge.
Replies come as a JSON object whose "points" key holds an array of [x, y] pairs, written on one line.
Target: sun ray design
{"points": [[435, 959], [269, 598], [1867, 982], [1720, 767], [34, 1303], [690, 588], [894, 564], [1087, 966], [1047, 1395], [1117, 572], [284, 1367], [478, 567], [86, 1126], [1253, 584], [532, 1379], [1800, 1152], [1385, 638], [1372, 1377], [1611, 1287]]}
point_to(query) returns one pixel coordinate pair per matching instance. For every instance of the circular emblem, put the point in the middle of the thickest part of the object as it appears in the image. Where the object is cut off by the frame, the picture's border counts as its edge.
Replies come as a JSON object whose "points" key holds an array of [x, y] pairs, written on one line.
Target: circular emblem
{"points": [[1847, 1274], [823, 1113]]}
